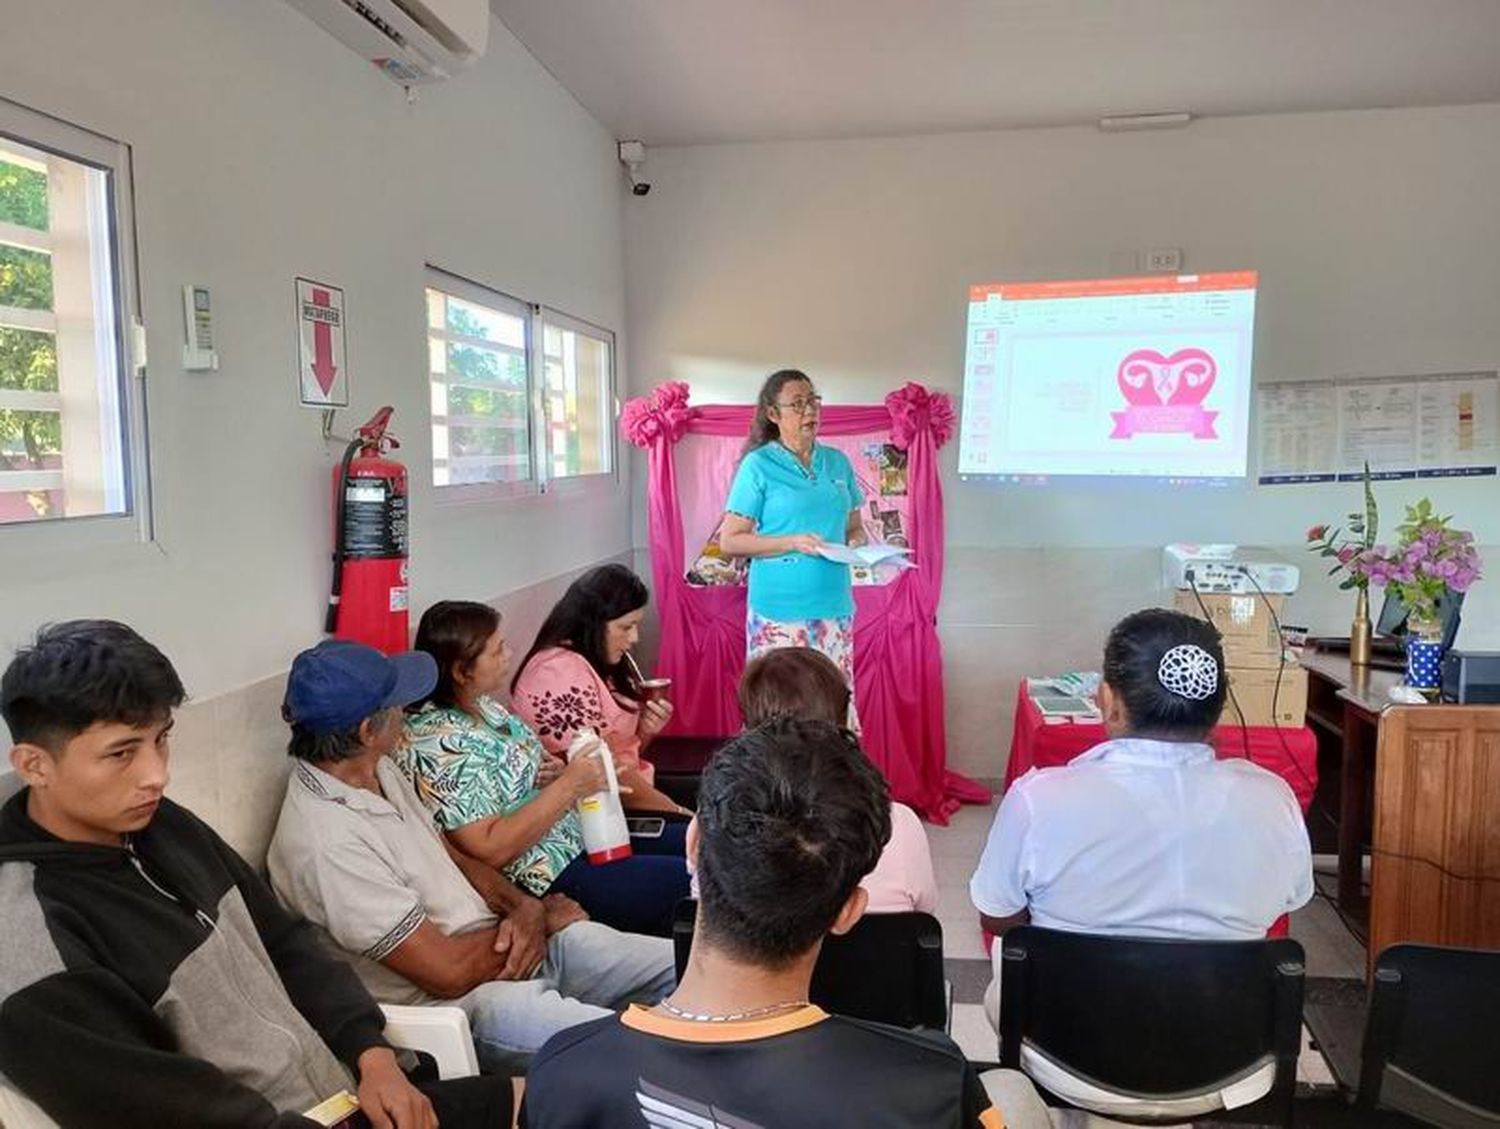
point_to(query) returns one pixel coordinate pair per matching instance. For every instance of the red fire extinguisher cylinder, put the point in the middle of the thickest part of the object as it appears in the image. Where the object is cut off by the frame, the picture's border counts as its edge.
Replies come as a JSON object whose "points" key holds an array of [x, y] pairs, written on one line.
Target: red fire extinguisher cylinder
{"points": [[369, 601]]}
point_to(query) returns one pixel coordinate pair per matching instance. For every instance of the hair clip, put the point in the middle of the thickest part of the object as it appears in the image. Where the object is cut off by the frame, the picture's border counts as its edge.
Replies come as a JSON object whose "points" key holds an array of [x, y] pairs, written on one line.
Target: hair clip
{"points": [[1188, 671]]}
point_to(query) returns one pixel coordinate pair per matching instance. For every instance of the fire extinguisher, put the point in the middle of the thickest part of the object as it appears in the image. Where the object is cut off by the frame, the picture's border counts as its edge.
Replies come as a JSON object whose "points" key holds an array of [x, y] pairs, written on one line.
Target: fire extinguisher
{"points": [[368, 601]]}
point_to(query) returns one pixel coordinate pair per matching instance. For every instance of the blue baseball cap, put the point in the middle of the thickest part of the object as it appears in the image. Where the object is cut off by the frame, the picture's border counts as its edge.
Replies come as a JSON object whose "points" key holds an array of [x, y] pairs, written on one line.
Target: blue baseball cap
{"points": [[339, 683]]}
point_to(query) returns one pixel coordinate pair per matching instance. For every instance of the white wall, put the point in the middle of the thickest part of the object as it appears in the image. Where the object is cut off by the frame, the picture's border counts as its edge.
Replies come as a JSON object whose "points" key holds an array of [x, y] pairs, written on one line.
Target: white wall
{"points": [[1375, 234], [264, 149]]}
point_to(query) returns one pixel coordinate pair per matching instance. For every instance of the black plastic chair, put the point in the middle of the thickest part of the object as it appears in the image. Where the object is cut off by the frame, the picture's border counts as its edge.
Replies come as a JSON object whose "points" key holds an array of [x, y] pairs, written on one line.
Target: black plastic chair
{"points": [[1153, 1019], [1428, 1050], [888, 968]]}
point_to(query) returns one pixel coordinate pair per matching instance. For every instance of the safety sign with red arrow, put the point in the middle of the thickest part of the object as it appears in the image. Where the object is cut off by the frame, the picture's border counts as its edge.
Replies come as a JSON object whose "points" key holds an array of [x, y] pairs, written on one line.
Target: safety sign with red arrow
{"points": [[322, 375]]}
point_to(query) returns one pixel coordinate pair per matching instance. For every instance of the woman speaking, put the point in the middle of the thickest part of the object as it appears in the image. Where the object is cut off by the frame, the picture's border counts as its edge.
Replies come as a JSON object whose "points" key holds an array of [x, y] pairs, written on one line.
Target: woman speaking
{"points": [[790, 495]]}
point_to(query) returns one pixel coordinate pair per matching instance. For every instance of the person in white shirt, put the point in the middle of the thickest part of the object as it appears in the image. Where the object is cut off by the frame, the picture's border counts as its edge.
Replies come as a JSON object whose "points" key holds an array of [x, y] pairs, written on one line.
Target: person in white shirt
{"points": [[1148, 834]]}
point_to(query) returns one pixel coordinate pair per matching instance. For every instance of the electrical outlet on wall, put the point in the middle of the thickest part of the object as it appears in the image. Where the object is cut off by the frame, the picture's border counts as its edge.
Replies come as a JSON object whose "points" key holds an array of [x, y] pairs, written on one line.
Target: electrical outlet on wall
{"points": [[1164, 260]]}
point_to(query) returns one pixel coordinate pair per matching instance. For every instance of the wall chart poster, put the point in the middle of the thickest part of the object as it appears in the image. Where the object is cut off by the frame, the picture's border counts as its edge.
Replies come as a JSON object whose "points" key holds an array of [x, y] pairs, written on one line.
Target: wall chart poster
{"points": [[1443, 425], [1298, 433]]}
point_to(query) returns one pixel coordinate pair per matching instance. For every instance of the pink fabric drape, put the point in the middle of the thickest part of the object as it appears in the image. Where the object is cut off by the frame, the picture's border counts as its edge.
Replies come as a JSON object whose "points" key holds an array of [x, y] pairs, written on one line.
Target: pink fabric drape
{"points": [[898, 657]]}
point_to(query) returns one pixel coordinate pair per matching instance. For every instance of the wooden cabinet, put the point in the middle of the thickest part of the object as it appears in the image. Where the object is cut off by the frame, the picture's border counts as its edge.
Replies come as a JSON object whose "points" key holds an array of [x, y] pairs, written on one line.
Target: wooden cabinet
{"points": [[1436, 855]]}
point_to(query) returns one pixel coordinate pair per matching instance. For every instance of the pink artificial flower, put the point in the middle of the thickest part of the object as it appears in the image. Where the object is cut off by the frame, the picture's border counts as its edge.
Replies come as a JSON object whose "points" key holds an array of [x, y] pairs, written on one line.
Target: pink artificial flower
{"points": [[662, 412], [914, 409], [1317, 532]]}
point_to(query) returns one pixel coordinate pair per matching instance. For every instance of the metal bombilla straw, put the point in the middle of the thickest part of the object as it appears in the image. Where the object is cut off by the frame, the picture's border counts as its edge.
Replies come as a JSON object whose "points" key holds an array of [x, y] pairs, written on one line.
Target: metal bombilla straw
{"points": [[634, 666]]}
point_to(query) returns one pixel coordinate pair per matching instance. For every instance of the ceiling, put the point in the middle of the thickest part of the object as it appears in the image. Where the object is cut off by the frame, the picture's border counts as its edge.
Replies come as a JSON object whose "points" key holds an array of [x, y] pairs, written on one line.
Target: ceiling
{"points": [[679, 72]]}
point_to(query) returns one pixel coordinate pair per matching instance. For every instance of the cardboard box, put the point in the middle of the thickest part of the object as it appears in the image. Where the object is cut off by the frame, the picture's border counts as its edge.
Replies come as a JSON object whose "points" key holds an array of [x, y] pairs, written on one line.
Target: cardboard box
{"points": [[1253, 689], [1245, 625]]}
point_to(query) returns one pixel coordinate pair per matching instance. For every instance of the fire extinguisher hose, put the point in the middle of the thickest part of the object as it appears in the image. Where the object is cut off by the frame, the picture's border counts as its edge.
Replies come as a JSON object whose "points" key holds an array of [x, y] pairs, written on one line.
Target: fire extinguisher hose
{"points": [[336, 589]]}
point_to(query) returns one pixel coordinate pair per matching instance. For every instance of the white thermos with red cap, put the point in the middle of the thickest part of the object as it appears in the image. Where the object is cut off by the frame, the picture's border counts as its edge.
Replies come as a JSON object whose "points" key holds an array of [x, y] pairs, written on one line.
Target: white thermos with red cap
{"points": [[605, 834]]}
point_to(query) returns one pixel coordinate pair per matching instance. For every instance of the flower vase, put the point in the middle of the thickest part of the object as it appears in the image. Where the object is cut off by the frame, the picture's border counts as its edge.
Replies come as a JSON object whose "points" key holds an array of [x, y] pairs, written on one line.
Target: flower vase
{"points": [[1424, 654], [1359, 630]]}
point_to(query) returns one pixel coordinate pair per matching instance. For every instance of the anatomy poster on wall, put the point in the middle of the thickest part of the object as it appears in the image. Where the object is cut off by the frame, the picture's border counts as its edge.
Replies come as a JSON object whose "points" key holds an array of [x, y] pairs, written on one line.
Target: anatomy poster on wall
{"points": [[880, 469]]}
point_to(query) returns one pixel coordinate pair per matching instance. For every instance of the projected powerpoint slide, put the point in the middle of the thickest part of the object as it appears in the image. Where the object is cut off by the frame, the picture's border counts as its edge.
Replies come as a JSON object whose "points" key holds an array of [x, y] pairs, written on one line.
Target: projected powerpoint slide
{"points": [[1140, 376]]}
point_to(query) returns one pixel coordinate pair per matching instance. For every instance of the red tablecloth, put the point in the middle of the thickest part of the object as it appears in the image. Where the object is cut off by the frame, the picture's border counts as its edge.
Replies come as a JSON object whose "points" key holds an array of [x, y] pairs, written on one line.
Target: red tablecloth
{"points": [[1291, 754]]}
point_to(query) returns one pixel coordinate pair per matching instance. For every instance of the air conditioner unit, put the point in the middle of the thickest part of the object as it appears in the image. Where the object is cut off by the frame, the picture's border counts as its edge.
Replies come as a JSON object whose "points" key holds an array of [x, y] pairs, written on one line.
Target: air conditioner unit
{"points": [[411, 41]]}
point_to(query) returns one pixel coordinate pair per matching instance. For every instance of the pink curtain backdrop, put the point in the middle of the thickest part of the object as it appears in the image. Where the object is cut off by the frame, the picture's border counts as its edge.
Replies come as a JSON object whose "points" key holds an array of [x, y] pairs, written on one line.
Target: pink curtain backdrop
{"points": [[898, 658]]}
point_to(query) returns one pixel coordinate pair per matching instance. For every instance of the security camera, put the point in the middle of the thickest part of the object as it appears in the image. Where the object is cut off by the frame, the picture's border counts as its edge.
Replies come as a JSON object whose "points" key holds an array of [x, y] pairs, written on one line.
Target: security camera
{"points": [[633, 156]]}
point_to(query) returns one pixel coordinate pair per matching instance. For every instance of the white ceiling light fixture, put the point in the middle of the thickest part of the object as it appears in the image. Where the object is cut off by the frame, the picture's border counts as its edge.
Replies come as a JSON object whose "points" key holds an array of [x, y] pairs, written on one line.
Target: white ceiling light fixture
{"points": [[1123, 123]]}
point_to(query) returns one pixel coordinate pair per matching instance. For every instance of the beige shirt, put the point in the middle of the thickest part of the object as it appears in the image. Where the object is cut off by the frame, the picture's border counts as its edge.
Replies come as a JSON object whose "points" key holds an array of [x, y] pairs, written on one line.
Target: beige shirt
{"points": [[369, 870]]}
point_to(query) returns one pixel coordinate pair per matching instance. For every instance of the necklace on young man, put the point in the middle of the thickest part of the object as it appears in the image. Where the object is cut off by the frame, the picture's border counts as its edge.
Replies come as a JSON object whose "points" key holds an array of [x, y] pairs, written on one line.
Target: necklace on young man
{"points": [[734, 1016]]}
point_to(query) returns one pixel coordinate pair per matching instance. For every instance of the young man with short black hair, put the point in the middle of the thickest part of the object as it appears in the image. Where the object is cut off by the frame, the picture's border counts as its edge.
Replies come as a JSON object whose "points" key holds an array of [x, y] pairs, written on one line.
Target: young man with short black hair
{"points": [[790, 817], [148, 976]]}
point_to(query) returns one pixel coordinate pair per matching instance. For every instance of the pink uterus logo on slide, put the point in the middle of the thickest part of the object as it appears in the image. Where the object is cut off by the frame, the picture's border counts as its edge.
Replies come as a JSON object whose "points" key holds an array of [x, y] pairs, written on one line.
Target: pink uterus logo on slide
{"points": [[1166, 394]]}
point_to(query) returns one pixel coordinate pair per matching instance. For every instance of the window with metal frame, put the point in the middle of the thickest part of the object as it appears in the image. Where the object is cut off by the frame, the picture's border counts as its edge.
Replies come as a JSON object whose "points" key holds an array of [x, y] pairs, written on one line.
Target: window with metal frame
{"points": [[521, 396], [578, 396], [71, 408], [478, 349]]}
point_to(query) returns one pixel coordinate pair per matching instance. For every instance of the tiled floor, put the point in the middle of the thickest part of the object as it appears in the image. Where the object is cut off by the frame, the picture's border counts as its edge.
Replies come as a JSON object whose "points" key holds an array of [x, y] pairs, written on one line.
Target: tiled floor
{"points": [[1331, 951]]}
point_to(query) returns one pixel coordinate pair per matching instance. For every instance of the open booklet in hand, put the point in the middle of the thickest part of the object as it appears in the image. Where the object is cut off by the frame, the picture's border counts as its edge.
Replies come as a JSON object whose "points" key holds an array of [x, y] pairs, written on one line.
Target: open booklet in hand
{"points": [[866, 556]]}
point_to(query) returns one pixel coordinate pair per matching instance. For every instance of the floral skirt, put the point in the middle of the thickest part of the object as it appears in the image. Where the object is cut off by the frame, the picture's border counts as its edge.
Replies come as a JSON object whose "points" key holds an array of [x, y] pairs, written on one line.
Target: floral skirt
{"points": [[833, 637]]}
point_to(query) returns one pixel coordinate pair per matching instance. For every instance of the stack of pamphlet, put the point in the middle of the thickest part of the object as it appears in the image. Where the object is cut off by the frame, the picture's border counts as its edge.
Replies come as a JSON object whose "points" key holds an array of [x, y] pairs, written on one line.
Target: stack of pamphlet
{"points": [[1066, 697]]}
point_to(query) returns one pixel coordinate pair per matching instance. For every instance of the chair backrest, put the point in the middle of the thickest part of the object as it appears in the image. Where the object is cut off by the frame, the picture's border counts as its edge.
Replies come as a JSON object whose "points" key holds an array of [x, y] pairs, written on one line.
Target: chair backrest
{"points": [[1427, 1050], [888, 968], [1152, 1017]]}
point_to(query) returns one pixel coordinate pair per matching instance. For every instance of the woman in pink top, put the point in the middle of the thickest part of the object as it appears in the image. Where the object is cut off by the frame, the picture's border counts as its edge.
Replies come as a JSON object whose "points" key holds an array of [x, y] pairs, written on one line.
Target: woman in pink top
{"points": [[803, 683], [579, 675]]}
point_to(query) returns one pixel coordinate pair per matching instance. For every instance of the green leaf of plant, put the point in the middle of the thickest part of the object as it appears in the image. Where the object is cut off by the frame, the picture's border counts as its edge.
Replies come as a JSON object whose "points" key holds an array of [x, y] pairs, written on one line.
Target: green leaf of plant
{"points": [[1372, 515]]}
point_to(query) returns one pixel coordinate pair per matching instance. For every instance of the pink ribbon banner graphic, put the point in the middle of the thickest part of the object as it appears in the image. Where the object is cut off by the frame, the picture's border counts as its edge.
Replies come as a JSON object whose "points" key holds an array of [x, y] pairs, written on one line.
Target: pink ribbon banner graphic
{"points": [[1165, 394]]}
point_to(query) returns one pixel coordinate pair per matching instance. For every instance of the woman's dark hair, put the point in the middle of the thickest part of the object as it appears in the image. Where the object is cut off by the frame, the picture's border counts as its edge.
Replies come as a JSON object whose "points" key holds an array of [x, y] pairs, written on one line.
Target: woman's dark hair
{"points": [[82, 672], [791, 816], [794, 682], [580, 619], [762, 430], [1132, 660], [454, 632]]}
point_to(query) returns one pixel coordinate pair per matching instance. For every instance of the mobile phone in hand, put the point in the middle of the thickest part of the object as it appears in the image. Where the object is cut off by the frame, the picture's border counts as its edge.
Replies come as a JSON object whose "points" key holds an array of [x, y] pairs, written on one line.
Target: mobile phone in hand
{"points": [[645, 826]]}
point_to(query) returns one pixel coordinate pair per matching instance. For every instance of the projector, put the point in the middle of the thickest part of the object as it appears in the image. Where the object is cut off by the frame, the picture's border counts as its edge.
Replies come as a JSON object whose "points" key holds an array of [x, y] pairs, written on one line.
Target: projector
{"points": [[1240, 570]]}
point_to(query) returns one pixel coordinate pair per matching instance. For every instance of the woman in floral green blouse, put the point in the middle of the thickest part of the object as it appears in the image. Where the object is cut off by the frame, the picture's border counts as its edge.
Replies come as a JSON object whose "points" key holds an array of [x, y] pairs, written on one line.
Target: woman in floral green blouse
{"points": [[500, 797]]}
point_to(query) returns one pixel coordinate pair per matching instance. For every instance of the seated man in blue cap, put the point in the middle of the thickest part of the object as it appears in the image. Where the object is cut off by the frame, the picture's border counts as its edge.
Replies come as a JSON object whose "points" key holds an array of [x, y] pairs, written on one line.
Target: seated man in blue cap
{"points": [[357, 853]]}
